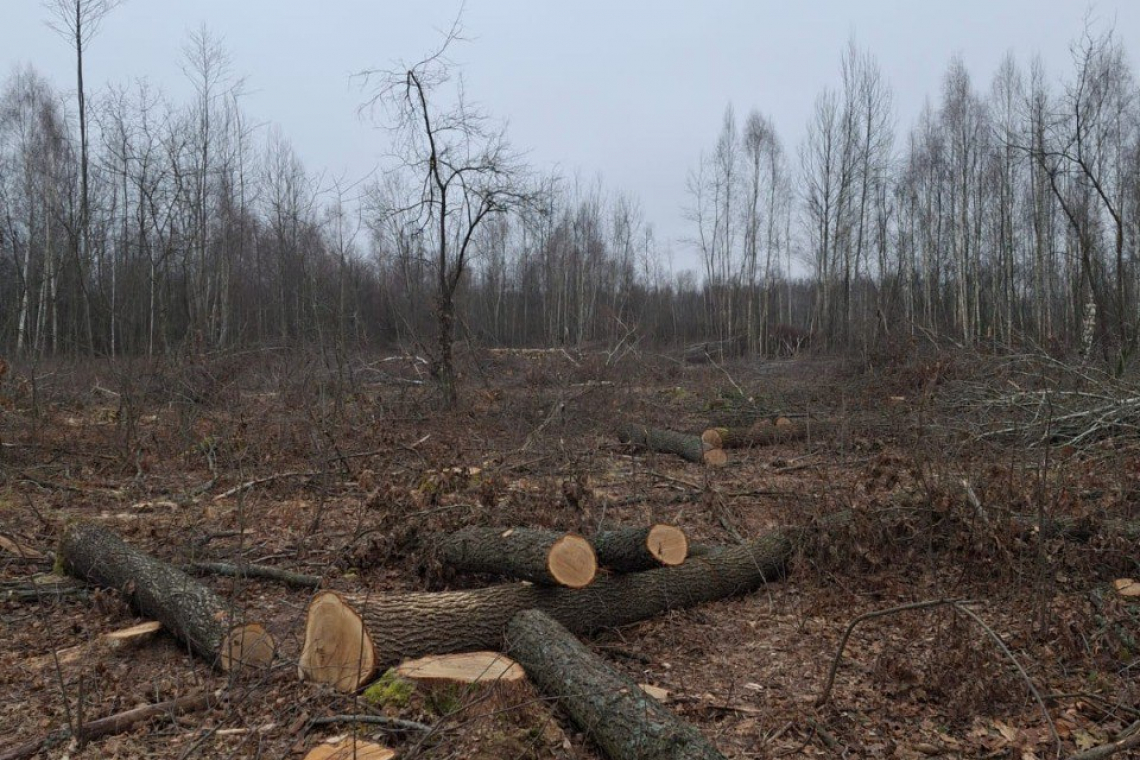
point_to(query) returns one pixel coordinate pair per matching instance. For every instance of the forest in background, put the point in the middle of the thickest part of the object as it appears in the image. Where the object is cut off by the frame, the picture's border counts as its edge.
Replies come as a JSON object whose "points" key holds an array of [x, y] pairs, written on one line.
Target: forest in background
{"points": [[1004, 214]]}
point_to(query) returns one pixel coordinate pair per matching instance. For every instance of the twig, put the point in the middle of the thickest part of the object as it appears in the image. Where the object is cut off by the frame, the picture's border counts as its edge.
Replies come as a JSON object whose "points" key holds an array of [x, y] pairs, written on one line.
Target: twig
{"points": [[287, 577], [823, 697], [958, 605], [1129, 739], [267, 479], [390, 724], [1028, 681], [114, 724]]}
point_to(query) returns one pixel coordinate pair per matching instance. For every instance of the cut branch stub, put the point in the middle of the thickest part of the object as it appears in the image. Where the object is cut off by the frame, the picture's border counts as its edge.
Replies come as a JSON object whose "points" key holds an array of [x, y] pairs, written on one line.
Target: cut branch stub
{"points": [[539, 556]]}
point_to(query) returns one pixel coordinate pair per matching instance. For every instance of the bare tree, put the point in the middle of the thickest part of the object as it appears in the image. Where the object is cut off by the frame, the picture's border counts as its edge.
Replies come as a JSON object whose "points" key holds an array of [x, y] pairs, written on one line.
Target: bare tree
{"points": [[77, 21], [465, 171]]}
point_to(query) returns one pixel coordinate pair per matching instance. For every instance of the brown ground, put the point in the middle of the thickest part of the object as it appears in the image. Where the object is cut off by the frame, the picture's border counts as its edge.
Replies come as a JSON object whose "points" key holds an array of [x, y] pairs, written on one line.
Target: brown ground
{"points": [[376, 470]]}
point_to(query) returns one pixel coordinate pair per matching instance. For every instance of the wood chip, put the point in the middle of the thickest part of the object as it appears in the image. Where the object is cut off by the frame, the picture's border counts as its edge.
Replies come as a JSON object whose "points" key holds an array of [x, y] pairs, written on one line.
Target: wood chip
{"points": [[1127, 587]]}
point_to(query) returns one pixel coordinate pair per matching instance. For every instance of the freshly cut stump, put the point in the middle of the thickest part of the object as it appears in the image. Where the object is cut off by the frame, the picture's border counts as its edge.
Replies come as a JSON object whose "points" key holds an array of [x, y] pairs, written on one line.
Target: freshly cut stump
{"points": [[463, 668], [350, 749], [348, 636], [129, 638], [539, 556], [632, 549], [618, 715], [686, 446], [191, 612]]}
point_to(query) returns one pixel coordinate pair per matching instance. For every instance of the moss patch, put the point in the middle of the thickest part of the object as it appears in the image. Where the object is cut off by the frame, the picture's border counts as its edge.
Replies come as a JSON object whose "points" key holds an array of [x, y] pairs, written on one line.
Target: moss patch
{"points": [[390, 691]]}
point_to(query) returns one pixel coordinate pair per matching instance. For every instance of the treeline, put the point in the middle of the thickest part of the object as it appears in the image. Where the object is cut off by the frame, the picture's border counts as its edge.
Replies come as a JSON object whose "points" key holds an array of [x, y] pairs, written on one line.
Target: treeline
{"points": [[1007, 213]]}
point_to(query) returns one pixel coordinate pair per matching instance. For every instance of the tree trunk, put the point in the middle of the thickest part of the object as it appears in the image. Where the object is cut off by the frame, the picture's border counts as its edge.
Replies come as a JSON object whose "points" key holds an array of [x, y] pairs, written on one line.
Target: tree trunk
{"points": [[609, 706], [633, 549], [347, 637], [686, 446], [539, 556], [189, 610]]}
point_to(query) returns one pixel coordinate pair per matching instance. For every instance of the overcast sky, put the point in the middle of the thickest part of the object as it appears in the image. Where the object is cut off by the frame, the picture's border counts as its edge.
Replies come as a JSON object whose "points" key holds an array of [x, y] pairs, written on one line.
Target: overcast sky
{"points": [[629, 91]]}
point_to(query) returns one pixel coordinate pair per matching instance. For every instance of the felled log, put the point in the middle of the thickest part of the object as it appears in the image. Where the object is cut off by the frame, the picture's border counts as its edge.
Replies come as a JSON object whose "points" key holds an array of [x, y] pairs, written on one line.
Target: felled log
{"points": [[632, 549], [539, 556], [349, 636], [610, 707], [158, 590], [764, 435], [686, 446]]}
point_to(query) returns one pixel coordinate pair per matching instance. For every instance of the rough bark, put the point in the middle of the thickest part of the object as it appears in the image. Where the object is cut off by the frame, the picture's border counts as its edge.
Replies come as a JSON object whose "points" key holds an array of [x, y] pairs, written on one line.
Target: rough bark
{"points": [[347, 637], [624, 721], [686, 446], [632, 549], [539, 556], [158, 590]]}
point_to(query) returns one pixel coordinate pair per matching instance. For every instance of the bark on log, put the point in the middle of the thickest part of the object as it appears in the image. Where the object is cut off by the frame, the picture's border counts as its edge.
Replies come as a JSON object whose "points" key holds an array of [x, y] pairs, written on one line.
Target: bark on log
{"points": [[686, 446], [347, 637], [624, 721], [764, 435], [158, 590], [632, 549], [539, 556]]}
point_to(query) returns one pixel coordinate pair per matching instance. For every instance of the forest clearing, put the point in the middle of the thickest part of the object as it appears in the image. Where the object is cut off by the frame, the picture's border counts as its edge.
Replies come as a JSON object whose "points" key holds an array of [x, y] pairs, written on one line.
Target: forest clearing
{"points": [[1008, 535]]}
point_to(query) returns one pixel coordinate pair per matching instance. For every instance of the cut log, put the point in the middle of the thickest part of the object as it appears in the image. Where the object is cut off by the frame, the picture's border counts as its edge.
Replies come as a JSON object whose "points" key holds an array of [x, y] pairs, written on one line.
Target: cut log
{"points": [[633, 549], [686, 446], [129, 638], [465, 668], [764, 435], [539, 556], [347, 637], [156, 589], [610, 707], [350, 748]]}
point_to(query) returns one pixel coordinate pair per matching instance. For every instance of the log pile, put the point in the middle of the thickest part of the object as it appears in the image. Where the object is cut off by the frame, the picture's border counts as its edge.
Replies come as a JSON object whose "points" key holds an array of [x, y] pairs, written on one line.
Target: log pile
{"points": [[349, 637], [453, 637]]}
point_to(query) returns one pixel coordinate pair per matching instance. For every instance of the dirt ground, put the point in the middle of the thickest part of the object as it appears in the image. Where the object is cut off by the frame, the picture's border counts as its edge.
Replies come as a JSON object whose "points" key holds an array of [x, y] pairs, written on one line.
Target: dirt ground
{"points": [[352, 469]]}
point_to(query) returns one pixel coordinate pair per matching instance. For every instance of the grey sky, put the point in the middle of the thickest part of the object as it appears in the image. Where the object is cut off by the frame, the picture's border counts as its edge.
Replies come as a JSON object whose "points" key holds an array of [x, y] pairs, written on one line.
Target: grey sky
{"points": [[630, 91]]}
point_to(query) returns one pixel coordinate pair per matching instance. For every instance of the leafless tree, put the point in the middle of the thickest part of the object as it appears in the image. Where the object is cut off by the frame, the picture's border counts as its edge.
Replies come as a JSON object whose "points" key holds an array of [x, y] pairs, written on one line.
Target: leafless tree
{"points": [[78, 21], [465, 171]]}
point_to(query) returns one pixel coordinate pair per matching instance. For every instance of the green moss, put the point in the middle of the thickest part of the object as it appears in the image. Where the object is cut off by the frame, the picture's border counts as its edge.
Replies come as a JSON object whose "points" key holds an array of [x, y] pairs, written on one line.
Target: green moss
{"points": [[389, 691], [445, 700]]}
